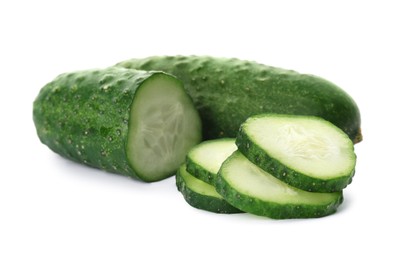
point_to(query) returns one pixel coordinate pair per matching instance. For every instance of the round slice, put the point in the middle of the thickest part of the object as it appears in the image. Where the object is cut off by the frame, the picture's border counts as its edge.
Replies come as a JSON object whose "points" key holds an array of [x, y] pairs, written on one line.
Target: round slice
{"points": [[304, 151], [204, 160], [251, 189], [201, 195]]}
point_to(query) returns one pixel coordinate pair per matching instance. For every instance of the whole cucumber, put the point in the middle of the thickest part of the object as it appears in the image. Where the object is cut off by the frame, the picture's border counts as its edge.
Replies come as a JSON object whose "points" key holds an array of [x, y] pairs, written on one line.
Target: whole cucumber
{"points": [[227, 91], [136, 123]]}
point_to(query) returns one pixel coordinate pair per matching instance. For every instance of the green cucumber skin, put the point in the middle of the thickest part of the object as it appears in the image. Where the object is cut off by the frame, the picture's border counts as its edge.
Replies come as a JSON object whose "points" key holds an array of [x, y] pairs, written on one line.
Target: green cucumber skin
{"points": [[200, 172], [227, 91], [203, 202], [84, 116], [259, 157], [273, 210]]}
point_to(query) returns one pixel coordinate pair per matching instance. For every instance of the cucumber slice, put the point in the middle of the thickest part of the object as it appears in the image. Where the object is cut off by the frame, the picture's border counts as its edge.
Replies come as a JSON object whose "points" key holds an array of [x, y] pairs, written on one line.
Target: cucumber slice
{"points": [[136, 123], [204, 160], [201, 195], [251, 189], [304, 151]]}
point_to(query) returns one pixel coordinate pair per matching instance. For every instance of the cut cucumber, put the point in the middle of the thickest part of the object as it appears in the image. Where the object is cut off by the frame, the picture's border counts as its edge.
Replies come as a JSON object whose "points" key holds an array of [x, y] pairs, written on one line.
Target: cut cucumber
{"points": [[204, 160], [136, 123], [228, 91], [251, 189], [304, 151], [201, 195], [164, 125]]}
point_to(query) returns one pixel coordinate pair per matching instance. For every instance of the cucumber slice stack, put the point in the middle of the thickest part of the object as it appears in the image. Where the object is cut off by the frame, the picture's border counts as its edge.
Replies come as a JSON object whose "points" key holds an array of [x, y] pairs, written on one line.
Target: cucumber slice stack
{"points": [[285, 166], [196, 179], [200, 194]]}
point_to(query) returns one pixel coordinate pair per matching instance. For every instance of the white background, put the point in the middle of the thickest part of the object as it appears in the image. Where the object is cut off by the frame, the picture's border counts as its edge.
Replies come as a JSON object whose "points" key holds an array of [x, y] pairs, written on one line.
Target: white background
{"points": [[55, 209]]}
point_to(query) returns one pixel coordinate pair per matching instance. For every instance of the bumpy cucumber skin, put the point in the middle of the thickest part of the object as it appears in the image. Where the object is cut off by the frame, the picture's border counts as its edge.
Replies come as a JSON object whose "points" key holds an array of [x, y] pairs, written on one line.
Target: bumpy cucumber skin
{"points": [[203, 202], [273, 210], [227, 91], [260, 157], [84, 116]]}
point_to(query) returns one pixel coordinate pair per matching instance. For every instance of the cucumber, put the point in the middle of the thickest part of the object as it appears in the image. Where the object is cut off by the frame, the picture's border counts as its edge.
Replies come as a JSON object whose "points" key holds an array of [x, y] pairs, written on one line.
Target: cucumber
{"points": [[253, 190], [204, 160], [227, 91], [306, 152], [201, 195], [136, 123]]}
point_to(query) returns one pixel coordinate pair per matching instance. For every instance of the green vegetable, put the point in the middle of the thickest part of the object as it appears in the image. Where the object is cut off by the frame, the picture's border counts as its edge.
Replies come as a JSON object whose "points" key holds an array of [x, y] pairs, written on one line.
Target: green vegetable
{"points": [[201, 195], [135, 123], [204, 160], [228, 91], [304, 151], [253, 190]]}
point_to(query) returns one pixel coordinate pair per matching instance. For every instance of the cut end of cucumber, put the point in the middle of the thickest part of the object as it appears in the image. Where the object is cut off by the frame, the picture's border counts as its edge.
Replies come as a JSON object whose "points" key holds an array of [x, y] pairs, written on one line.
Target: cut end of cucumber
{"points": [[164, 125]]}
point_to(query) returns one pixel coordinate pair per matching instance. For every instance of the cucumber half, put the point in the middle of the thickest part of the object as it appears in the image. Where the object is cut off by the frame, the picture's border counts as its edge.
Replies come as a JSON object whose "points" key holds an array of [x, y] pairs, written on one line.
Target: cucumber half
{"points": [[204, 160], [304, 151], [253, 190], [201, 195], [136, 123]]}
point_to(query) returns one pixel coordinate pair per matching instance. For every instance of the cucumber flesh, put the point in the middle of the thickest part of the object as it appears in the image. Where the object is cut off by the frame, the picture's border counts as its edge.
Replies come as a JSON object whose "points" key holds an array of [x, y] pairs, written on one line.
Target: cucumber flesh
{"points": [[305, 151], [164, 125], [201, 195], [204, 160], [253, 190]]}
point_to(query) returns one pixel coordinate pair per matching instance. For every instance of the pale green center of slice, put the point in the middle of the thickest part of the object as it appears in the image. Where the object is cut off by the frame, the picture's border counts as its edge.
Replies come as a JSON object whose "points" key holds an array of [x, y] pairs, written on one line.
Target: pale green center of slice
{"points": [[211, 154], [298, 142]]}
